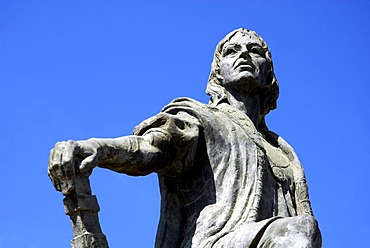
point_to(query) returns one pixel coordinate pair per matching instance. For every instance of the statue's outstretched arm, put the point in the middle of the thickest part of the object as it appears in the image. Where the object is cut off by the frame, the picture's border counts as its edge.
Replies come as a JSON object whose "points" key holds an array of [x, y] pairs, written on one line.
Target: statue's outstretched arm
{"points": [[135, 155], [161, 147]]}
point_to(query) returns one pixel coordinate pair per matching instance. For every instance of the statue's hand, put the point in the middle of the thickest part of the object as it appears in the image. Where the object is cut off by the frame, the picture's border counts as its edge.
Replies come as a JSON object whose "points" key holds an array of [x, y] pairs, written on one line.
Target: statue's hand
{"points": [[70, 159]]}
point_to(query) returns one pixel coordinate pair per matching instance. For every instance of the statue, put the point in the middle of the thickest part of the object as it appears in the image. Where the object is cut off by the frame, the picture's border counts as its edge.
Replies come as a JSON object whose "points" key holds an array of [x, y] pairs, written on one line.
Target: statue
{"points": [[225, 179]]}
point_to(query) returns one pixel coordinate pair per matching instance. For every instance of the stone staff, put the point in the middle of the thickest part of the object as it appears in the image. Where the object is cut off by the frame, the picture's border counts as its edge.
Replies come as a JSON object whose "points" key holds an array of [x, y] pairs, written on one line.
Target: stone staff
{"points": [[81, 206]]}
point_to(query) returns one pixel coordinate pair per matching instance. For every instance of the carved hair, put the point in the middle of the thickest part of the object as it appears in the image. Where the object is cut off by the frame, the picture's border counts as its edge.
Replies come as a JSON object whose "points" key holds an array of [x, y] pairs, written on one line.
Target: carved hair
{"points": [[268, 94]]}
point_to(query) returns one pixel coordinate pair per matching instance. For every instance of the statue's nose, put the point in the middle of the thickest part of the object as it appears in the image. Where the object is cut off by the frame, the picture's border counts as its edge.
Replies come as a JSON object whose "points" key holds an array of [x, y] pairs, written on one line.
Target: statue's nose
{"points": [[244, 53]]}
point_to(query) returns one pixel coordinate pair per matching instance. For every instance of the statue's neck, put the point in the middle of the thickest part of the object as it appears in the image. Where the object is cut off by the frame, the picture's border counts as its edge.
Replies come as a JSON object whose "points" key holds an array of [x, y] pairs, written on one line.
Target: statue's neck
{"points": [[247, 103]]}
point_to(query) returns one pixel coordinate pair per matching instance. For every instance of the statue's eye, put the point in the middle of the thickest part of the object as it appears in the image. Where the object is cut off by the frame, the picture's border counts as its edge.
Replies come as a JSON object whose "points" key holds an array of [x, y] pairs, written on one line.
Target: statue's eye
{"points": [[229, 51], [256, 50]]}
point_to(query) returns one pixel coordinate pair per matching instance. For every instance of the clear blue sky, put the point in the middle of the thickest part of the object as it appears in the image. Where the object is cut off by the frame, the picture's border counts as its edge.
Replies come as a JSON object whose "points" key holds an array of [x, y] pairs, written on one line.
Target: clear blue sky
{"points": [[80, 69]]}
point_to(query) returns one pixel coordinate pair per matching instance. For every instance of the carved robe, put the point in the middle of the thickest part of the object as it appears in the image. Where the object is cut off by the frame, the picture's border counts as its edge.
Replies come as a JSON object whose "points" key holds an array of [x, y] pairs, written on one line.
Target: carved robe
{"points": [[222, 184]]}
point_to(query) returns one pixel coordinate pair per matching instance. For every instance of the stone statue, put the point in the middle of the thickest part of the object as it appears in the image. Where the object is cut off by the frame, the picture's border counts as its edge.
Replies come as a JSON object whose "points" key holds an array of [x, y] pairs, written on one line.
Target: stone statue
{"points": [[225, 179]]}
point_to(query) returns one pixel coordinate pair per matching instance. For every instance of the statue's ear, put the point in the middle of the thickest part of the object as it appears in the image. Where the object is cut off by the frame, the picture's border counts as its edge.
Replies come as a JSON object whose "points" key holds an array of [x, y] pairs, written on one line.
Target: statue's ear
{"points": [[269, 78], [219, 77]]}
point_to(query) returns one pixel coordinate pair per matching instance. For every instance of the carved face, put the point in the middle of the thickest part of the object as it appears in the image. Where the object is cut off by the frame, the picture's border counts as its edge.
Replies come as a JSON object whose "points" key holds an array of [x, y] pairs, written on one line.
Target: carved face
{"points": [[243, 64]]}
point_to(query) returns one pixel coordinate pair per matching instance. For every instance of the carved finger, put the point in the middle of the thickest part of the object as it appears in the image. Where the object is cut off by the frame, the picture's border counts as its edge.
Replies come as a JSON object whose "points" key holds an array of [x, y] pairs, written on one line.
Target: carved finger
{"points": [[54, 168], [51, 156], [68, 155], [61, 169], [88, 164]]}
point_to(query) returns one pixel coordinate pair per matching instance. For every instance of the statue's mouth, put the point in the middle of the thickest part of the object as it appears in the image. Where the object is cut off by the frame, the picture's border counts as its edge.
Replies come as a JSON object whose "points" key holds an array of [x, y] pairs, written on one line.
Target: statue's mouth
{"points": [[244, 64]]}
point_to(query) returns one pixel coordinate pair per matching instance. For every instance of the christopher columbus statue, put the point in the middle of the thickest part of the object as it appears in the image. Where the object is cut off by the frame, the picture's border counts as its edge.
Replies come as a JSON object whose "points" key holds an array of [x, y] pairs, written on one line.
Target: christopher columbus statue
{"points": [[226, 180]]}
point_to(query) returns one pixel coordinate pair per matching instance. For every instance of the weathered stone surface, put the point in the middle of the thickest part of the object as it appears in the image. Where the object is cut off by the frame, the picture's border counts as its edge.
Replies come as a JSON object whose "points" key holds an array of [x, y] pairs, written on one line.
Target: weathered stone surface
{"points": [[226, 180]]}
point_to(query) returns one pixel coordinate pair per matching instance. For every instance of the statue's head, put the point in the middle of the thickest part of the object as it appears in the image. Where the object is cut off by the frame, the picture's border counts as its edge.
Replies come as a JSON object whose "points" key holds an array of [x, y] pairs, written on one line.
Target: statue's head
{"points": [[242, 58]]}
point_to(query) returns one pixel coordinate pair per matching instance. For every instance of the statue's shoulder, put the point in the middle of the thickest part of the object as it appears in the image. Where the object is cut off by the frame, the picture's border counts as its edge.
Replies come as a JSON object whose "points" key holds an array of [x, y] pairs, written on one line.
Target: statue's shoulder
{"points": [[184, 103], [171, 110]]}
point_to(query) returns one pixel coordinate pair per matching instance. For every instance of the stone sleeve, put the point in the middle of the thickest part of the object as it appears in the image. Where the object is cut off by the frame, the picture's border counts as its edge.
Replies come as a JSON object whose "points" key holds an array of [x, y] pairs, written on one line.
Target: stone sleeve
{"points": [[165, 144]]}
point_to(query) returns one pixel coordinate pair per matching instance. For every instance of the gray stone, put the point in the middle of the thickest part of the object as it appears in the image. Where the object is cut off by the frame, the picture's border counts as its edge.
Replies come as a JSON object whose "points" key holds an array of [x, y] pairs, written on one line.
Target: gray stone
{"points": [[226, 180]]}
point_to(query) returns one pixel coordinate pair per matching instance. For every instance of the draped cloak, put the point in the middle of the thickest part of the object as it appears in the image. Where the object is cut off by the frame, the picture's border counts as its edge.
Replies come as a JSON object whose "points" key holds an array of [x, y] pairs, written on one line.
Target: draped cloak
{"points": [[219, 186]]}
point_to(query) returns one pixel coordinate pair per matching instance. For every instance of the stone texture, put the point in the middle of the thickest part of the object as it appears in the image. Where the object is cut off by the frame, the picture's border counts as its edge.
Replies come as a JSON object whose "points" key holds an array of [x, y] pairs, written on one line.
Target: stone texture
{"points": [[226, 180]]}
